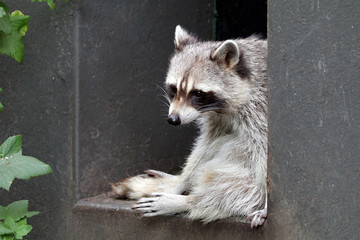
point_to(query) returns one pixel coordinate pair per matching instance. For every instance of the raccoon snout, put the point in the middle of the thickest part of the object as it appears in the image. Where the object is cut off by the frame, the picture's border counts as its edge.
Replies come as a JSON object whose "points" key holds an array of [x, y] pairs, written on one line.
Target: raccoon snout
{"points": [[174, 119]]}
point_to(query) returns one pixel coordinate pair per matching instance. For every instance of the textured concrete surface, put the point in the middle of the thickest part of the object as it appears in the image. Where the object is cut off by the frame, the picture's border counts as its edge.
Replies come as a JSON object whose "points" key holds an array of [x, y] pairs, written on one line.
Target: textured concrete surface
{"points": [[102, 217], [314, 53]]}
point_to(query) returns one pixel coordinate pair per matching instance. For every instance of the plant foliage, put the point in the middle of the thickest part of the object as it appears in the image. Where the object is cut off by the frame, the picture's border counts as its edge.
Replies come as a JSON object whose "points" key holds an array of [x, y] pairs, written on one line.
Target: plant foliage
{"points": [[13, 27], [13, 220], [12, 31], [15, 165], [49, 2]]}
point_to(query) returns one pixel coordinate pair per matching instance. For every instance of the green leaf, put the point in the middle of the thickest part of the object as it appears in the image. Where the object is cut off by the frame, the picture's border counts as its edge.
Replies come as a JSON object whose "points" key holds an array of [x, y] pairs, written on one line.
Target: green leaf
{"points": [[22, 221], [22, 167], [11, 146], [2, 12], [22, 230], [11, 45], [12, 31], [17, 209], [4, 229], [19, 228], [6, 180], [14, 165], [49, 2], [8, 237], [19, 21], [5, 24], [10, 223], [31, 214], [5, 7], [3, 212]]}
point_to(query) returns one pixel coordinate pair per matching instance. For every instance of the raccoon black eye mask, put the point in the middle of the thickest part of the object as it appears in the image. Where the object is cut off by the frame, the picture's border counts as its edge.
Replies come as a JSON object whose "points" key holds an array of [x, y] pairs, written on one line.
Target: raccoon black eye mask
{"points": [[206, 101], [171, 91], [200, 100]]}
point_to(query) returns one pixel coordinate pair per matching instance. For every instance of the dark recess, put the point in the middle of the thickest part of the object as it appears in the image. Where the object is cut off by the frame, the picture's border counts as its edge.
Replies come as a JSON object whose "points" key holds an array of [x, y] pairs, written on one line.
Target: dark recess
{"points": [[236, 18]]}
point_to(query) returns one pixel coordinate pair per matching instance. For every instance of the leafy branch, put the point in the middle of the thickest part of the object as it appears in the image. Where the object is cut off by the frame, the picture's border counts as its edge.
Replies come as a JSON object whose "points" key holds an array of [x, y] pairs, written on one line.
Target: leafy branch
{"points": [[15, 165], [49, 2], [13, 218], [12, 31], [13, 27]]}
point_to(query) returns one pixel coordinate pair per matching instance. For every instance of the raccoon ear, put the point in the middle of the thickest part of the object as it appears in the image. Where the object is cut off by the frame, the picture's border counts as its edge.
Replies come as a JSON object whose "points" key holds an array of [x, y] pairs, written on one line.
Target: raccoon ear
{"points": [[228, 53], [183, 38]]}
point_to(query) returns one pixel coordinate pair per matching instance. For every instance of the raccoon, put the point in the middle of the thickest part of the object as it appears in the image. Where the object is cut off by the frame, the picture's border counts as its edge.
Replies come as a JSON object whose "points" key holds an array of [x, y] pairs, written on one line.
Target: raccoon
{"points": [[222, 86]]}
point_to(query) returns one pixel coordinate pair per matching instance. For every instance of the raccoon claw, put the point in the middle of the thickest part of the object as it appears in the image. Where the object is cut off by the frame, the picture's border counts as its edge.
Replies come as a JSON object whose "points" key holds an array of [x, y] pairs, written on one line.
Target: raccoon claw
{"points": [[161, 204], [148, 205], [156, 174], [143, 203], [257, 218]]}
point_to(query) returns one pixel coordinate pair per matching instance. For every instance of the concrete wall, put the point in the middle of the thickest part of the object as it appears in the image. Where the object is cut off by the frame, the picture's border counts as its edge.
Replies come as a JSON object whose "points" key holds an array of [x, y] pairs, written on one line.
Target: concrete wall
{"points": [[314, 118]]}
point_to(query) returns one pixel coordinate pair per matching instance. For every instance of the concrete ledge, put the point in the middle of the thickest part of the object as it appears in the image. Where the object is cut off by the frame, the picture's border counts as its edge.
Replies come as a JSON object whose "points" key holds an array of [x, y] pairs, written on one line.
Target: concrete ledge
{"points": [[103, 217]]}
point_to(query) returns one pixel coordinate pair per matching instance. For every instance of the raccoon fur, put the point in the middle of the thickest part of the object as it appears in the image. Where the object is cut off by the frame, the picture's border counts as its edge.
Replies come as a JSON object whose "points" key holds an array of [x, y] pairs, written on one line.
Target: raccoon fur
{"points": [[222, 86]]}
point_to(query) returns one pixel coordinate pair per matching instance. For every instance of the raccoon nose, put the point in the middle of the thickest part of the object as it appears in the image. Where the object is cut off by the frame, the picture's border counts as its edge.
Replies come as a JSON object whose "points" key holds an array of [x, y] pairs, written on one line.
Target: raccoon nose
{"points": [[174, 120]]}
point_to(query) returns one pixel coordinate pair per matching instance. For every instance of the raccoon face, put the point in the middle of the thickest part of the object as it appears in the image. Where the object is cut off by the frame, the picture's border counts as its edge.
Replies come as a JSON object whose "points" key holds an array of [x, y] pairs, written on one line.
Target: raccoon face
{"points": [[186, 106], [201, 78]]}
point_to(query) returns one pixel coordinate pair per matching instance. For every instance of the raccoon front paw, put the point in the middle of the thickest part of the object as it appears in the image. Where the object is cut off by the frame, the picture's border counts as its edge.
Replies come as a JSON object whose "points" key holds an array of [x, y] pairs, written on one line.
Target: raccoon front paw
{"points": [[257, 218], [160, 204]]}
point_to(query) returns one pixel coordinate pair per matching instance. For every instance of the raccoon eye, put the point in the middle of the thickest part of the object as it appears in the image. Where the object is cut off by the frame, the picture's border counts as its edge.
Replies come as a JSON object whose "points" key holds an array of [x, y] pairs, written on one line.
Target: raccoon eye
{"points": [[171, 90], [199, 93]]}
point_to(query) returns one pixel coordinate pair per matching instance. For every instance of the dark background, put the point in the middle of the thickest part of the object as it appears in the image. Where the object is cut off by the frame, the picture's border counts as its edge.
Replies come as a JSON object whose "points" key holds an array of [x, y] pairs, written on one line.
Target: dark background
{"points": [[86, 101], [236, 19]]}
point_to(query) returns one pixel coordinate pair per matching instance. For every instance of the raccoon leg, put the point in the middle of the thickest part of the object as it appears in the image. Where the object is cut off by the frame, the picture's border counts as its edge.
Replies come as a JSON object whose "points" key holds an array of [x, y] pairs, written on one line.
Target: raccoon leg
{"points": [[221, 194], [258, 218], [162, 203], [217, 196], [144, 184]]}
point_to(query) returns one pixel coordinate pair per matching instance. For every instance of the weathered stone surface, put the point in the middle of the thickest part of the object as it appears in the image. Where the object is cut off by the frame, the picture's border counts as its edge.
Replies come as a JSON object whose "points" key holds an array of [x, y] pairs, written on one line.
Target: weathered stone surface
{"points": [[314, 53]]}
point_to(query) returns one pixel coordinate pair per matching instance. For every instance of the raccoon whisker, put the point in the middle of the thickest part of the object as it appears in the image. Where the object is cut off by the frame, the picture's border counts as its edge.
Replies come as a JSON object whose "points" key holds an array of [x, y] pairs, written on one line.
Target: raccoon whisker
{"points": [[164, 99], [215, 109], [164, 112], [158, 86], [166, 103], [211, 107], [161, 88], [164, 92]]}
